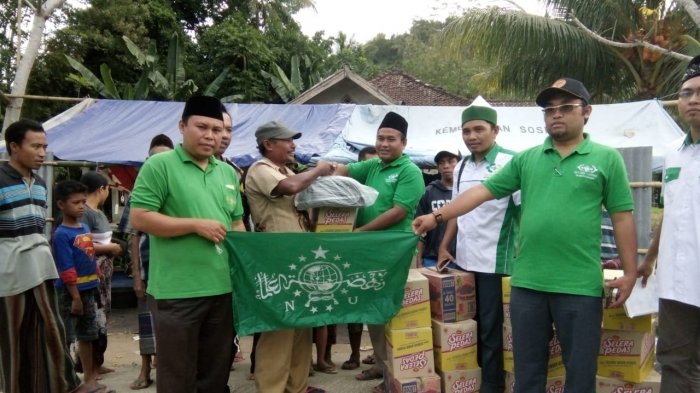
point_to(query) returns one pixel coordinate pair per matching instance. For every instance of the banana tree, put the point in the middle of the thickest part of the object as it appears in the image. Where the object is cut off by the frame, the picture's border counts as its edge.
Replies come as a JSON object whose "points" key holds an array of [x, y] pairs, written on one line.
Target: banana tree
{"points": [[290, 87]]}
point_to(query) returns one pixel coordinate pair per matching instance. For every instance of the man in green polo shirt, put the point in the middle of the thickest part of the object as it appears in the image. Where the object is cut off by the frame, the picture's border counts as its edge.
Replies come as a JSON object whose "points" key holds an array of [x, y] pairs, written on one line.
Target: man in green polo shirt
{"points": [[400, 185], [186, 200], [556, 276]]}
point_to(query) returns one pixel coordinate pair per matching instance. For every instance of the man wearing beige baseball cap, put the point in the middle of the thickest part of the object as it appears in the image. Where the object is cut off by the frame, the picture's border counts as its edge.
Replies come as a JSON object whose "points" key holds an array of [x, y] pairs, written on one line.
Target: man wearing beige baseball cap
{"points": [[283, 356]]}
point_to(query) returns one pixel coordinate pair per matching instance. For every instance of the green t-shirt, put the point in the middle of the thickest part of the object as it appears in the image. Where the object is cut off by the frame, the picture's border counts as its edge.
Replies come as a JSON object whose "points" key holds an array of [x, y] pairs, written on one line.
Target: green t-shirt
{"points": [[398, 183], [561, 213], [172, 184]]}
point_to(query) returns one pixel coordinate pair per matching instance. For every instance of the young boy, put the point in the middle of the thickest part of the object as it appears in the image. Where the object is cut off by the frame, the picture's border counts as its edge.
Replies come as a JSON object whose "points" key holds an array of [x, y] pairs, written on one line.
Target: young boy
{"points": [[74, 254]]}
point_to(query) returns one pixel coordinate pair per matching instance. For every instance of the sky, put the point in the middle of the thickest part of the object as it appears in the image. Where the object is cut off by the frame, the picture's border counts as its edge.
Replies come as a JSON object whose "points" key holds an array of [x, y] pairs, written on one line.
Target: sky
{"points": [[361, 20]]}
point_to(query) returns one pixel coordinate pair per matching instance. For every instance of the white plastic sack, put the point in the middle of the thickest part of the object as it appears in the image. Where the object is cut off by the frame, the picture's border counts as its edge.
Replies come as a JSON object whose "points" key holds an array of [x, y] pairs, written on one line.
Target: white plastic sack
{"points": [[336, 191]]}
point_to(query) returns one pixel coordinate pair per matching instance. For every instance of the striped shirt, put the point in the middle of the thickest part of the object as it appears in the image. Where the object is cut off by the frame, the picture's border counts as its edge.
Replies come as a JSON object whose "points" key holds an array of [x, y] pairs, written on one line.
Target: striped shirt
{"points": [[25, 255]]}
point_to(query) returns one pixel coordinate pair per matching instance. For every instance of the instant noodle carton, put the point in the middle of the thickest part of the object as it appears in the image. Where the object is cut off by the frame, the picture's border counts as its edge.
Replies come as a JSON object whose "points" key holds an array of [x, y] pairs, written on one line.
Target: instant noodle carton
{"points": [[617, 319], [505, 293], [454, 345], [556, 362], [626, 355], [651, 384], [410, 352], [335, 219], [415, 309], [554, 384], [461, 381], [429, 384], [452, 295]]}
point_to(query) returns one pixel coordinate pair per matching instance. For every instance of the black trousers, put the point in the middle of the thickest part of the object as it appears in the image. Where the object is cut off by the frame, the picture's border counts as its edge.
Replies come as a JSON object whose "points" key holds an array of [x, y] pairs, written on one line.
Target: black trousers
{"points": [[194, 338]]}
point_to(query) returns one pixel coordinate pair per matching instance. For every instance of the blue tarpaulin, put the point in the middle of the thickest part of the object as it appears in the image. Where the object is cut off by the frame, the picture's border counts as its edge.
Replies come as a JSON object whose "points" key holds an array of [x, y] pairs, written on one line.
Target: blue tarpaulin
{"points": [[119, 132]]}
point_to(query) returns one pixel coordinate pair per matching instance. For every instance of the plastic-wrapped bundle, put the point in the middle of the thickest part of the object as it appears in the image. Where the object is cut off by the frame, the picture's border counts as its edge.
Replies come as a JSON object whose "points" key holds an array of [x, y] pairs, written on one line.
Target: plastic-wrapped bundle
{"points": [[336, 191]]}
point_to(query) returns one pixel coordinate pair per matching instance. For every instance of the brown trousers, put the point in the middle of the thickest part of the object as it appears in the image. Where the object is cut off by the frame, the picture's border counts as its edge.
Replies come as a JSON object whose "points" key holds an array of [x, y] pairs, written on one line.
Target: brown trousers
{"points": [[195, 342], [283, 359]]}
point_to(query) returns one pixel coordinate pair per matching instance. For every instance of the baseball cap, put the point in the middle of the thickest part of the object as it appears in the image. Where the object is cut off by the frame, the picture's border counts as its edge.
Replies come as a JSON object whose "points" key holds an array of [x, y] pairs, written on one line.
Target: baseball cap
{"points": [[444, 153], [564, 85], [275, 130]]}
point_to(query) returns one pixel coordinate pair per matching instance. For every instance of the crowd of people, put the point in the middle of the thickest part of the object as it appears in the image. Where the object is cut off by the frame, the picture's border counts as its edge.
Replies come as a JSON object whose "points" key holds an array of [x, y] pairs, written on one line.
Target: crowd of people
{"points": [[534, 216]]}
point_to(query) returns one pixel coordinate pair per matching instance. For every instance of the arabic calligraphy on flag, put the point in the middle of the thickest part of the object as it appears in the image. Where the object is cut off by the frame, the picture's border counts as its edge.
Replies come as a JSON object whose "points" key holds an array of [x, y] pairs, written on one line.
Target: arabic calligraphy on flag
{"points": [[290, 280]]}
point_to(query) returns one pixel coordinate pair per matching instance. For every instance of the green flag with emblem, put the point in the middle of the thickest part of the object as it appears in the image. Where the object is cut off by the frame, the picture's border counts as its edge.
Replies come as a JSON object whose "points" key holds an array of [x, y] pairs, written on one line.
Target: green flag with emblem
{"points": [[291, 280]]}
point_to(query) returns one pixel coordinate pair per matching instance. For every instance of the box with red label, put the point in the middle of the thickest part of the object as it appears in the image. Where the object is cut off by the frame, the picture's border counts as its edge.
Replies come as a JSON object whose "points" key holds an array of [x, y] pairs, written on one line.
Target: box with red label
{"points": [[415, 309], [556, 362], [428, 384], [410, 352], [651, 384], [626, 355], [554, 384], [455, 345], [461, 381], [335, 219], [452, 295]]}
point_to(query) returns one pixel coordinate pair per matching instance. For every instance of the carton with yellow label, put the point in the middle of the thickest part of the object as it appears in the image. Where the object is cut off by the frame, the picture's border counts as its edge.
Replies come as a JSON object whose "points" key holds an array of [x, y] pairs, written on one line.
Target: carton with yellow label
{"points": [[335, 219], [626, 355], [651, 384], [455, 345], [461, 381], [617, 319], [410, 352], [427, 384], [415, 309]]}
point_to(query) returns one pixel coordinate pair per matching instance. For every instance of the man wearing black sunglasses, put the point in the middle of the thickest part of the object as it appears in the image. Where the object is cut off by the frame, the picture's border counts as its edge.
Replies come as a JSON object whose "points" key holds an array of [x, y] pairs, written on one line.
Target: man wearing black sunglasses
{"points": [[557, 281]]}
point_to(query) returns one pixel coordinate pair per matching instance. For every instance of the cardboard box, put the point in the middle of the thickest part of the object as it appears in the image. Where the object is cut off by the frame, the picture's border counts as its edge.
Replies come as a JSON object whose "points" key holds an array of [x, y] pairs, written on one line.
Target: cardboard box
{"points": [[651, 384], [554, 384], [461, 381], [429, 384], [335, 219], [626, 355], [452, 295], [506, 314], [556, 361], [415, 309], [617, 319], [505, 289], [410, 352], [454, 345]]}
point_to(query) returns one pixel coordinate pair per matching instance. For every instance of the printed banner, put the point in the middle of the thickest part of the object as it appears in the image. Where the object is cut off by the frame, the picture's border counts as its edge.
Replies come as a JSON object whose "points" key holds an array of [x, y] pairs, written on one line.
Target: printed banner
{"points": [[289, 280]]}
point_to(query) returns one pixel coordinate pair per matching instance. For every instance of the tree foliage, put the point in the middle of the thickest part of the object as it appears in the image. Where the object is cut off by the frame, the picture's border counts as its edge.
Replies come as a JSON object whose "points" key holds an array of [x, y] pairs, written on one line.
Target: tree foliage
{"points": [[627, 49]]}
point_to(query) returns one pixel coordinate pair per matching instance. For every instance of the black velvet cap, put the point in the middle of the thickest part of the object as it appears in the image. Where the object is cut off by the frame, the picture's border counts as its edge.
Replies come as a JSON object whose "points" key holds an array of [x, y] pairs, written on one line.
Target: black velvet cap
{"points": [[395, 121], [692, 70], [203, 106]]}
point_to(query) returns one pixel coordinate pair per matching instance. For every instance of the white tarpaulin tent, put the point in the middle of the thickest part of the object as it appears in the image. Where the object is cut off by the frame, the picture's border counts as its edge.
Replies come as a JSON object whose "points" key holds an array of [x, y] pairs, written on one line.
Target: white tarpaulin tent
{"points": [[431, 129], [337, 132]]}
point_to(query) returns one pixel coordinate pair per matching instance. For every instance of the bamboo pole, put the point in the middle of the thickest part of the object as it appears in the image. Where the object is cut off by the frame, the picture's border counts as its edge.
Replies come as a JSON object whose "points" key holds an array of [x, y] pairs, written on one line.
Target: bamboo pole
{"points": [[44, 98], [645, 184]]}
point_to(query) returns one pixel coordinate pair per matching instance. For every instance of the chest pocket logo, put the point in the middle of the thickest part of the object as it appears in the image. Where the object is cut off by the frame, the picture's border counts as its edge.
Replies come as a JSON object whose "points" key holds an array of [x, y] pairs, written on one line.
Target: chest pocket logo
{"points": [[672, 174], [586, 171], [229, 195], [391, 179]]}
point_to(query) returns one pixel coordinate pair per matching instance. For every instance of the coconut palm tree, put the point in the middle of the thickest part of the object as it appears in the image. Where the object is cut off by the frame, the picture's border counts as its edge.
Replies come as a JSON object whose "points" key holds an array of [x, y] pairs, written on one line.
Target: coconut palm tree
{"points": [[621, 49]]}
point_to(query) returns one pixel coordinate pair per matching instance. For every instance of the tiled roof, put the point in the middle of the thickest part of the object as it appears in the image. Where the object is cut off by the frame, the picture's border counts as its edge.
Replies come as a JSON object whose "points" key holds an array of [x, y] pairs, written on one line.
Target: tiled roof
{"points": [[411, 91]]}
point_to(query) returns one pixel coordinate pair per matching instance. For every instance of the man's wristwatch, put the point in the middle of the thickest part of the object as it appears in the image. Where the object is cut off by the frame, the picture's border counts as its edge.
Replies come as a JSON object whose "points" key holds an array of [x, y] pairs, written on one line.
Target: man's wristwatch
{"points": [[438, 217]]}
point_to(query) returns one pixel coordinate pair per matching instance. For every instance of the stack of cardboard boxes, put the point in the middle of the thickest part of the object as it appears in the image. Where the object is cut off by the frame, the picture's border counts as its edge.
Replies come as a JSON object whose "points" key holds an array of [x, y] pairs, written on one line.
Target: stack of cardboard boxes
{"points": [[627, 350], [555, 371], [410, 366], [452, 307], [625, 358]]}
